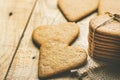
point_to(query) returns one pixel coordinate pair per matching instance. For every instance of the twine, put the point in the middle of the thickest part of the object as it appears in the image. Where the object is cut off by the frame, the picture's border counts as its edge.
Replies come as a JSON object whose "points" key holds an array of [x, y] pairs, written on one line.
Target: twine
{"points": [[113, 17]]}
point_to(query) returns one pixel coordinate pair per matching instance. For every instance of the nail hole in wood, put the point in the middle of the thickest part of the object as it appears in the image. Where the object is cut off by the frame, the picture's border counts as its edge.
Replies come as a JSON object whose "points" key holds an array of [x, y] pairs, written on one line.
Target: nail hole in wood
{"points": [[33, 57], [10, 14]]}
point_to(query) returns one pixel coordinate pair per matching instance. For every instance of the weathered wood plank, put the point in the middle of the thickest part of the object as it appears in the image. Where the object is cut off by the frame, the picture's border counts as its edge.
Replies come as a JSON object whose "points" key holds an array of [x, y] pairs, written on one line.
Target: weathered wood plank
{"points": [[14, 15], [25, 63]]}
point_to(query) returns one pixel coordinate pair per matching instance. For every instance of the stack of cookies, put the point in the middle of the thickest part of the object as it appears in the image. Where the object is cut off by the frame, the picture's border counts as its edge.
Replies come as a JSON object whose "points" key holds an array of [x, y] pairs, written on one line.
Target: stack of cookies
{"points": [[104, 37]]}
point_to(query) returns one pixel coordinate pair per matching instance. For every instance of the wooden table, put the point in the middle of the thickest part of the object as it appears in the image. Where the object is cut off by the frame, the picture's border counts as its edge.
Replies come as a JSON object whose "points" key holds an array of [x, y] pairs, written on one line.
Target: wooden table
{"points": [[18, 54]]}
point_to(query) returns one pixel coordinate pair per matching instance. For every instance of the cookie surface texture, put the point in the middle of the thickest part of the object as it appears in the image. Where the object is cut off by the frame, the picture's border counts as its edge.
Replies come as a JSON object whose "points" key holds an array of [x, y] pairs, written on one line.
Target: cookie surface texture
{"points": [[65, 33], [111, 6], [77, 9], [56, 57]]}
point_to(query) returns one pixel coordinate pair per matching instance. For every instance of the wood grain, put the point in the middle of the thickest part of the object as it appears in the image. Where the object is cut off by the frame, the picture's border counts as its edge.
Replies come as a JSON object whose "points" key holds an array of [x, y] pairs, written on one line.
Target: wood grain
{"points": [[14, 14], [25, 63]]}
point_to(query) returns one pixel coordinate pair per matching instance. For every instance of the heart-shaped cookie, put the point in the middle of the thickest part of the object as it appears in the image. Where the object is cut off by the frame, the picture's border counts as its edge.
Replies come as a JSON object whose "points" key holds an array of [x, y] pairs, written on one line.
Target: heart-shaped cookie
{"points": [[65, 33], [111, 6], [77, 9], [56, 57]]}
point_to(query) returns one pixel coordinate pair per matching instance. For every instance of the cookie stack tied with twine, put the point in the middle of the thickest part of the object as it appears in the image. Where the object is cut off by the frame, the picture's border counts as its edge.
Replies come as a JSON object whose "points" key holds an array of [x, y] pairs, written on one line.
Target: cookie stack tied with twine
{"points": [[104, 37]]}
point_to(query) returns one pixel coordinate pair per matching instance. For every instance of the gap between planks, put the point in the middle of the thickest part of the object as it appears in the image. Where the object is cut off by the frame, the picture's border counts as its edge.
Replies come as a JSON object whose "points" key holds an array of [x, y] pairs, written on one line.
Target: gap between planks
{"points": [[21, 38], [12, 28]]}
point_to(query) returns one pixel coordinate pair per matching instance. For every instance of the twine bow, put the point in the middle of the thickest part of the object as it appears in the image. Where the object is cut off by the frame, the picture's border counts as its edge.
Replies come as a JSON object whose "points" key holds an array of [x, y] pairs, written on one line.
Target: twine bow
{"points": [[115, 17]]}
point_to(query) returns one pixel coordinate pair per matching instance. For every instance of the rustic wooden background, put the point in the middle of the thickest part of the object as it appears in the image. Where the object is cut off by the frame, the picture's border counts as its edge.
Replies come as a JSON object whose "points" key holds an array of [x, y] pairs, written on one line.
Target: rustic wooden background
{"points": [[18, 54]]}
